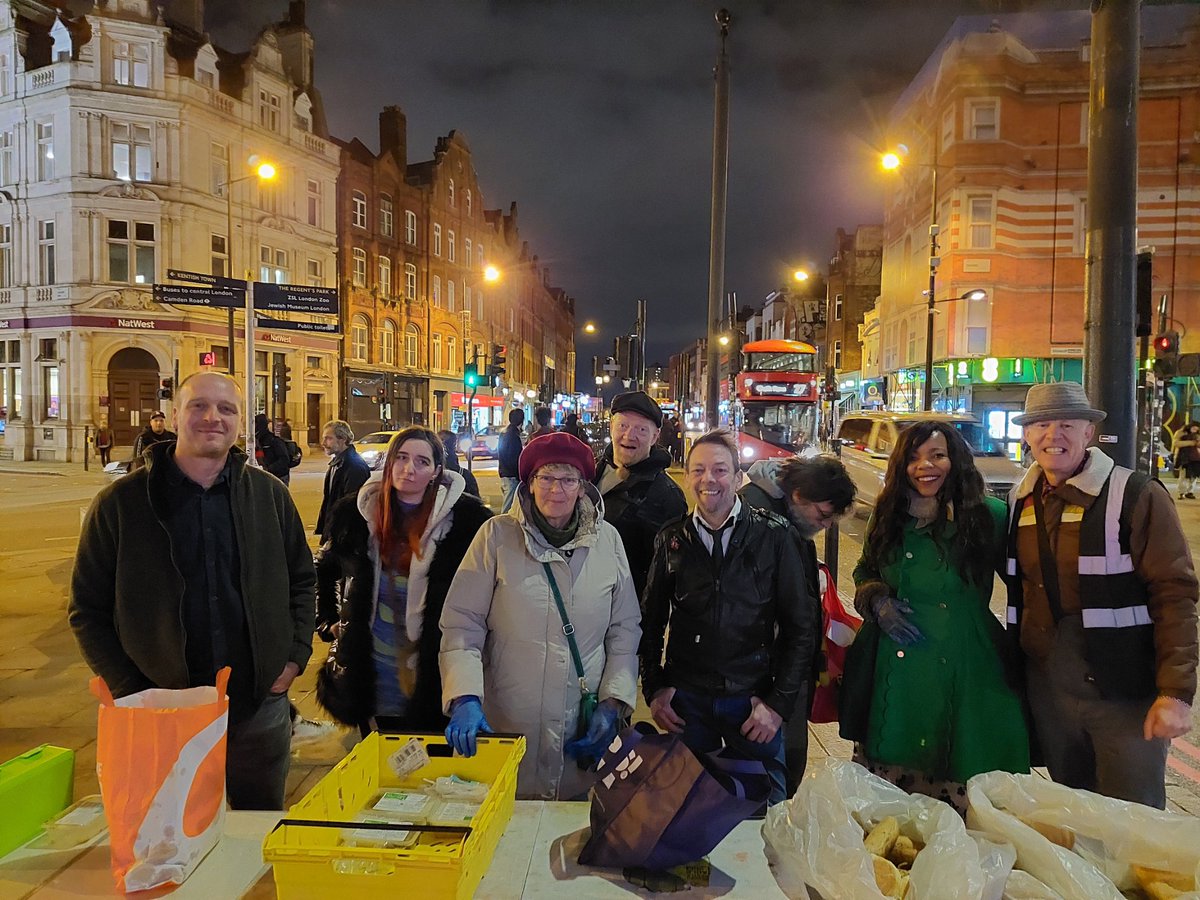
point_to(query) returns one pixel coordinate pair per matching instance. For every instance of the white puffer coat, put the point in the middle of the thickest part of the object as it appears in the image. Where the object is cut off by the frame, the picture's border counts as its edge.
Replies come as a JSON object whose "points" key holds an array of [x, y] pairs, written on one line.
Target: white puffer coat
{"points": [[503, 641]]}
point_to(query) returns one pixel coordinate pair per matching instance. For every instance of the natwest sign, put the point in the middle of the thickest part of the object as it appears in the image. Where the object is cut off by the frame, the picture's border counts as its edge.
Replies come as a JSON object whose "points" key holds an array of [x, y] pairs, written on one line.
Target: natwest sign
{"points": [[142, 324]]}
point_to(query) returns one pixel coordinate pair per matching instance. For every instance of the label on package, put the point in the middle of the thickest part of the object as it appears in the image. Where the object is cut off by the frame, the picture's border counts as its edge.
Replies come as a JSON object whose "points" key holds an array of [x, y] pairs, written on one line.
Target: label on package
{"points": [[409, 758], [402, 802]]}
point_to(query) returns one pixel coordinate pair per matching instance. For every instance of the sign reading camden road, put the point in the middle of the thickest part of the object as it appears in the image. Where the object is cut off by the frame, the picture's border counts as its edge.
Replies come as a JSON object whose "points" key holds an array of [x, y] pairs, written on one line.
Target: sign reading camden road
{"points": [[300, 298], [186, 295], [285, 325]]}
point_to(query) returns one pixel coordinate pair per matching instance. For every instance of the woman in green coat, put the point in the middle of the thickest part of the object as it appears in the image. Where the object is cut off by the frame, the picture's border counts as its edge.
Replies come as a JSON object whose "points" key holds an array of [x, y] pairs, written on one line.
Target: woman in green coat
{"points": [[938, 708]]}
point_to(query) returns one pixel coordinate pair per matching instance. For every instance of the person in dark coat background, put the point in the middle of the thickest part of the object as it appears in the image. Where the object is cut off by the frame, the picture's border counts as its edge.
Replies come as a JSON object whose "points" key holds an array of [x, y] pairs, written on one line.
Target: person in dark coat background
{"points": [[270, 451], [509, 456], [347, 470], [450, 447], [152, 434], [639, 496]]}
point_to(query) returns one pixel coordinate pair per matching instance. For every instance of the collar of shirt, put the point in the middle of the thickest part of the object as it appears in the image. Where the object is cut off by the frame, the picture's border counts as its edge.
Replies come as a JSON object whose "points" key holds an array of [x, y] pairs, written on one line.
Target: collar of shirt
{"points": [[702, 527], [177, 478]]}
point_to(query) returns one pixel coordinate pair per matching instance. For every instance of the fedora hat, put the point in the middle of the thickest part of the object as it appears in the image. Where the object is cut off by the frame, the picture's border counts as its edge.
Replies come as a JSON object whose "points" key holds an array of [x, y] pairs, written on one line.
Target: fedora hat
{"points": [[1057, 400]]}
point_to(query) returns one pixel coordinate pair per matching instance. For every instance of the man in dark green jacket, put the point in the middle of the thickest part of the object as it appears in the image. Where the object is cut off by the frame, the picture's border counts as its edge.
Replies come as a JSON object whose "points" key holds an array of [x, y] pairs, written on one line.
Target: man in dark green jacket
{"points": [[195, 562]]}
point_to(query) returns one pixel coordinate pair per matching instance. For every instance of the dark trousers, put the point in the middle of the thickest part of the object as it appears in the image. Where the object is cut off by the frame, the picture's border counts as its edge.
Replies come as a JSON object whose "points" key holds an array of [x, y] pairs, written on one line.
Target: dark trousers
{"points": [[795, 740], [104, 452], [711, 722], [1088, 741], [258, 755]]}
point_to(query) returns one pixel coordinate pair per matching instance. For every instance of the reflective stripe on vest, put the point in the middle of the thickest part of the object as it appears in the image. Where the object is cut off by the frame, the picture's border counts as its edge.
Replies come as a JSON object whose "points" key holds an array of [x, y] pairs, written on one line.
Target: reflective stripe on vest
{"points": [[1113, 562], [1012, 615], [1121, 617]]}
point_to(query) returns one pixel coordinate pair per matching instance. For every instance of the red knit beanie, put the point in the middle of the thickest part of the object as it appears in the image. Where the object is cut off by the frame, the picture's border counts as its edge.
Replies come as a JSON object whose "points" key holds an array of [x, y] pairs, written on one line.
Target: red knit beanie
{"points": [[558, 447]]}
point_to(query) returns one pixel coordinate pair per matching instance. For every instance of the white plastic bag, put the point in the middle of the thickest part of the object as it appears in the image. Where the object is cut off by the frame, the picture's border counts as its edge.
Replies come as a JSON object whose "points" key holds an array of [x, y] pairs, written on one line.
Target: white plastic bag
{"points": [[1109, 834], [816, 840]]}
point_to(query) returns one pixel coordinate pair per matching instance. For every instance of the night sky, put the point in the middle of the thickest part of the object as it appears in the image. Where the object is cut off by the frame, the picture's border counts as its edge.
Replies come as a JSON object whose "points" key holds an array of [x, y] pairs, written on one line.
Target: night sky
{"points": [[596, 117]]}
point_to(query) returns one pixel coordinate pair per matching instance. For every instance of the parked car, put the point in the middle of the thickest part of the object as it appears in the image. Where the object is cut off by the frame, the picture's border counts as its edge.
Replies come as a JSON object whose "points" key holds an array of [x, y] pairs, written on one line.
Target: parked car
{"points": [[373, 447], [486, 443], [867, 440]]}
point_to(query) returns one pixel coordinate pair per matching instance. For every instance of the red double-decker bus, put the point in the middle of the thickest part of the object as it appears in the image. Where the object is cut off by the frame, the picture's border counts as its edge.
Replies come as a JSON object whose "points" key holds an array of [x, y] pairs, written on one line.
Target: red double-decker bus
{"points": [[776, 399]]}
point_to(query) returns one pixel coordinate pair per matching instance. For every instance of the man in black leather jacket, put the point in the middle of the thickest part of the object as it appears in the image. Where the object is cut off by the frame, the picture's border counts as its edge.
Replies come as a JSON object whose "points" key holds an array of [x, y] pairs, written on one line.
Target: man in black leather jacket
{"points": [[730, 582], [631, 474]]}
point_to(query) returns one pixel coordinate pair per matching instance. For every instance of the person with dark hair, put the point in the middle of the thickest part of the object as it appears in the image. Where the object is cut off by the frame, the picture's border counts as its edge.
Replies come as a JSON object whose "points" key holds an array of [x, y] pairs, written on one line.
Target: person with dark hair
{"points": [[729, 585], [1187, 459], [270, 451], [941, 709], [812, 492], [572, 427], [347, 470], [542, 614], [450, 448], [395, 547], [542, 416], [508, 457], [154, 433]]}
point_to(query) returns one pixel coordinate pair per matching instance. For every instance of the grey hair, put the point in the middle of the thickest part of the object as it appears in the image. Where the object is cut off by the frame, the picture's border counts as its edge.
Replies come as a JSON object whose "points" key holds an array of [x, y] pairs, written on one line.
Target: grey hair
{"points": [[341, 430]]}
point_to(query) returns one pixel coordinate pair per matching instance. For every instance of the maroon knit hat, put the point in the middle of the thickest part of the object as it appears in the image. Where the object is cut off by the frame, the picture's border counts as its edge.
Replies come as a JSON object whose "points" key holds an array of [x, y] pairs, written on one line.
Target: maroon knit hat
{"points": [[558, 447]]}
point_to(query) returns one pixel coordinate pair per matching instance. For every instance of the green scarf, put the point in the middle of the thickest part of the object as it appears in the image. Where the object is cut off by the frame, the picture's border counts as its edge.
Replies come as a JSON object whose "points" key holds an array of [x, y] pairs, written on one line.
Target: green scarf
{"points": [[556, 536]]}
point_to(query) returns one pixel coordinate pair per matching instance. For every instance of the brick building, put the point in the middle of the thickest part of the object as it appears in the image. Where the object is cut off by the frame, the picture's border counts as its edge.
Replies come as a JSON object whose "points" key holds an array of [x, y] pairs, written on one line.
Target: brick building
{"points": [[1001, 110], [853, 287]]}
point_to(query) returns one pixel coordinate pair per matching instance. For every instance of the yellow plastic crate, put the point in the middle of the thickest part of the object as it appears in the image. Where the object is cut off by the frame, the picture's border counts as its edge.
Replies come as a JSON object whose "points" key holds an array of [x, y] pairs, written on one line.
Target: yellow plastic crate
{"points": [[312, 861]]}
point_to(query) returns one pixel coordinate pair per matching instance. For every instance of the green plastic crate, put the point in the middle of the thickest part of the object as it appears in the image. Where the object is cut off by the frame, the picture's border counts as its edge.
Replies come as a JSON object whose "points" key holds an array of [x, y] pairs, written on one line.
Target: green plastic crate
{"points": [[34, 788]]}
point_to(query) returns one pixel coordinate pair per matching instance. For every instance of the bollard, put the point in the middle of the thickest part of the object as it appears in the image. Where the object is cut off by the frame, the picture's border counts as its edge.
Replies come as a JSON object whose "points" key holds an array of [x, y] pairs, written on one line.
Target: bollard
{"points": [[86, 440]]}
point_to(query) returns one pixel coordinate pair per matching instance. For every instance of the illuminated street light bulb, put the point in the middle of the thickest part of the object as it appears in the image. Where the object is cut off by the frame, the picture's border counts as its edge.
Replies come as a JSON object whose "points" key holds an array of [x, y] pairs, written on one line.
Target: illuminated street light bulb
{"points": [[723, 340], [265, 171], [531, 394], [491, 273], [589, 328], [654, 385], [599, 379], [800, 275], [890, 161], [977, 294]]}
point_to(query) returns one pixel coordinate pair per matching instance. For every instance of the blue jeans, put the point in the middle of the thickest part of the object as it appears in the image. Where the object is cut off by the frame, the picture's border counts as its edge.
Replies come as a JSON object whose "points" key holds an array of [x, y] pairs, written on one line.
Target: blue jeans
{"points": [[711, 722], [258, 754], [509, 486]]}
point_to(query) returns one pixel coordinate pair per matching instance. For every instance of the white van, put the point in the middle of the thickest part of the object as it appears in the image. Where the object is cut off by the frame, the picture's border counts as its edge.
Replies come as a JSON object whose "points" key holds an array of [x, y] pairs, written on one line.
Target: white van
{"points": [[867, 440]]}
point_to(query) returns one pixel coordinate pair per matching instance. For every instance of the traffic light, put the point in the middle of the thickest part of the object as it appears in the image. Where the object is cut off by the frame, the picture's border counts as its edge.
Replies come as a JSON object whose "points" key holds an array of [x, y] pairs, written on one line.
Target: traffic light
{"points": [[166, 388], [1166, 353], [281, 376], [471, 375], [496, 366]]}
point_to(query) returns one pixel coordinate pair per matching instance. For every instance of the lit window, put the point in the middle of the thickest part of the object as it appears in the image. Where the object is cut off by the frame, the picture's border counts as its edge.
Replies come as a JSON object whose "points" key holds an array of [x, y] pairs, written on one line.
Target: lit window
{"points": [[387, 343], [131, 64], [358, 209], [360, 267], [131, 152], [385, 215], [360, 337], [273, 265], [411, 341], [45, 150]]}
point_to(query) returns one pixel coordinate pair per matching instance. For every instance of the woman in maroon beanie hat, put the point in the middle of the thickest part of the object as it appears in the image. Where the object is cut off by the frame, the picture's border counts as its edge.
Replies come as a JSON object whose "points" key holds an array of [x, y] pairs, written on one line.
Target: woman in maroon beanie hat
{"points": [[507, 664]]}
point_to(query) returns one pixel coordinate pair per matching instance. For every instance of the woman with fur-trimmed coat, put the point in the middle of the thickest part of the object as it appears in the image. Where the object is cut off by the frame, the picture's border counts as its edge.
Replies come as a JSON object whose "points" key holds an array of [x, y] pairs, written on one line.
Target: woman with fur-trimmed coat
{"points": [[383, 572]]}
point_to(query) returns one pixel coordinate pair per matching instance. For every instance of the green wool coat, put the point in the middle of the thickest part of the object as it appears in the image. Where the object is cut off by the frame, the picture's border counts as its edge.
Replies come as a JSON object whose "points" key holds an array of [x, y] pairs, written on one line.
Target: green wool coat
{"points": [[942, 707]]}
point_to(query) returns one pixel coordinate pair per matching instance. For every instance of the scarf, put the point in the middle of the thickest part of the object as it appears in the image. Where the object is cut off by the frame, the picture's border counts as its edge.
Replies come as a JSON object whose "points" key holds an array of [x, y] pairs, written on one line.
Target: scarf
{"points": [[925, 509], [557, 537]]}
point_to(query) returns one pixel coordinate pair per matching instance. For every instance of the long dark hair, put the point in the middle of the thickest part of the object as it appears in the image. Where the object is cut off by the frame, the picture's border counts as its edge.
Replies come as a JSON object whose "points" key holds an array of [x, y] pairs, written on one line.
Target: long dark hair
{"points": [[400, 532], [964, 487]]}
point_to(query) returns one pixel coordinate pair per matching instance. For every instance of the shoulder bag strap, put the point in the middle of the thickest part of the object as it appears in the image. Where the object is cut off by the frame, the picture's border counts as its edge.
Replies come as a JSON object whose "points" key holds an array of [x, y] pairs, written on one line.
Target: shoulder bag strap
{"points": [[568, 628], [1046, 557]]}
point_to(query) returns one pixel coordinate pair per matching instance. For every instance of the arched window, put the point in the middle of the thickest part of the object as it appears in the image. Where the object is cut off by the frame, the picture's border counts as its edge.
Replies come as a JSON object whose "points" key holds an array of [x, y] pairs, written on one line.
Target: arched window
{"points": [[411, 342], [360, 337], [387, 342]]}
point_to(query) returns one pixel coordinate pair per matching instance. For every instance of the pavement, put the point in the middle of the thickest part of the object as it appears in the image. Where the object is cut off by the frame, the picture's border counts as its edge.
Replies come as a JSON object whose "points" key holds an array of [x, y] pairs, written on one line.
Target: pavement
{"points": [[43, 681]]}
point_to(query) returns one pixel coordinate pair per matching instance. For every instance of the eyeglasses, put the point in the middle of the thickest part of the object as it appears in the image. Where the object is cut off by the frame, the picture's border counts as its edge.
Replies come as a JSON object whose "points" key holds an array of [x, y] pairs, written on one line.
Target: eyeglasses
{"points": [[549, 482]]}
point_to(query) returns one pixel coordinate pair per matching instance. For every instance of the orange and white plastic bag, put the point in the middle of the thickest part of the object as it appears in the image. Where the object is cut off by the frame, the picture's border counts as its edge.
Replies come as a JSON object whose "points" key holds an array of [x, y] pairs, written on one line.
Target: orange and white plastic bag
{"points": [[160, 758]]}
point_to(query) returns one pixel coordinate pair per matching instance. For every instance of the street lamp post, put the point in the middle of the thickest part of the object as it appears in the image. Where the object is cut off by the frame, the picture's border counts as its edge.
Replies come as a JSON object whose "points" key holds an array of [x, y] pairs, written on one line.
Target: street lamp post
{"points": [[934, 261], [263, 172]]}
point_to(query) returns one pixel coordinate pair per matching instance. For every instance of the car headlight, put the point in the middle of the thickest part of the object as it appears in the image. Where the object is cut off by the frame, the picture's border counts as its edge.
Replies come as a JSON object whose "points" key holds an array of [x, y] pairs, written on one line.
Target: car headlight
{"points": [[371, 457], [747, 453]]}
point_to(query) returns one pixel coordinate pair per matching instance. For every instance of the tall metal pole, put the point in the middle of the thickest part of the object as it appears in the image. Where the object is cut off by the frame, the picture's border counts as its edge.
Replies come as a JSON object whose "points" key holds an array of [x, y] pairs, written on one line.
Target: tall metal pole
{"points": [[232, 271], [934, 262], [641, 344], [716, 257], [248, 393], [1109, 293]]}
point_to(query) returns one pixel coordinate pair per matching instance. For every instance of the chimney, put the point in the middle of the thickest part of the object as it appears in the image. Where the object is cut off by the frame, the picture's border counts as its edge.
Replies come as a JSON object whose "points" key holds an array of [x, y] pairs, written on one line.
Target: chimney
{"points": [[393, 134], [296, 46], [188, 14], [296, 13]]}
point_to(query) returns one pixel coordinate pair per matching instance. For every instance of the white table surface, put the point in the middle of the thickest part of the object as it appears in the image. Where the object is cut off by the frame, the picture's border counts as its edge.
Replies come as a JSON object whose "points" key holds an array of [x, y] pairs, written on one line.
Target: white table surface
{"points": [[536, 858]]}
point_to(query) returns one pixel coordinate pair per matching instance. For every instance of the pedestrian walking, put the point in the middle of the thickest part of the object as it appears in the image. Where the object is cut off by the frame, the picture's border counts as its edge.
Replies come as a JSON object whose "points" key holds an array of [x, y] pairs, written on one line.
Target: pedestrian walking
{"points": [[1102, 599], [542, 417], [639, 496], [1187, 460], [729, 585], [508, 457], [812, 493], [285, 429], [393, 548], [540, 630], [270, 451], [347, 471], [195, 562], [926, 674], [154, 433], [103, 440]]}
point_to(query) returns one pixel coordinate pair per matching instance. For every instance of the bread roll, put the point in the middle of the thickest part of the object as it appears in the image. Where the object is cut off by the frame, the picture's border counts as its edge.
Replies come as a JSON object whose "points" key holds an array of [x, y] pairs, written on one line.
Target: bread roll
{"points": [[904, 852], [882, 837]]}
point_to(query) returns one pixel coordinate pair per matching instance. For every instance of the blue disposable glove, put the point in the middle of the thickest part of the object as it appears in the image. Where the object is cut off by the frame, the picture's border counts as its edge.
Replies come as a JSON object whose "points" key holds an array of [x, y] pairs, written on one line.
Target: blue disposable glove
{"points": [[601, 731], [892, 616], [466, 721]]}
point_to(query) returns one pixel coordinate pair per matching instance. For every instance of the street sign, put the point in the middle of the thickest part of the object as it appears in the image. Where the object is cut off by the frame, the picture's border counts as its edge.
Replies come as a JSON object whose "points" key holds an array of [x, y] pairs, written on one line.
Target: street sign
{"points": [[185, 295], [295, 298], [283, 324], [211, 280]]}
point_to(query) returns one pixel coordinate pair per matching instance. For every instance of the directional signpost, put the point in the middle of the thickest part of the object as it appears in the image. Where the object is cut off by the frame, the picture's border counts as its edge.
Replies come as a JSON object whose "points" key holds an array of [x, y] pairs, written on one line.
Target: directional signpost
{"points": [[186, 295], [301, 298], [287, 325]]}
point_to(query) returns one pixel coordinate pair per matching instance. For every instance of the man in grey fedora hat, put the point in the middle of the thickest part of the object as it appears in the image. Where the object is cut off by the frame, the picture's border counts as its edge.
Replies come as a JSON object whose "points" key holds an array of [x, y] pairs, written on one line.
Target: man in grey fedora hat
{"points": [[1102, 604]]}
